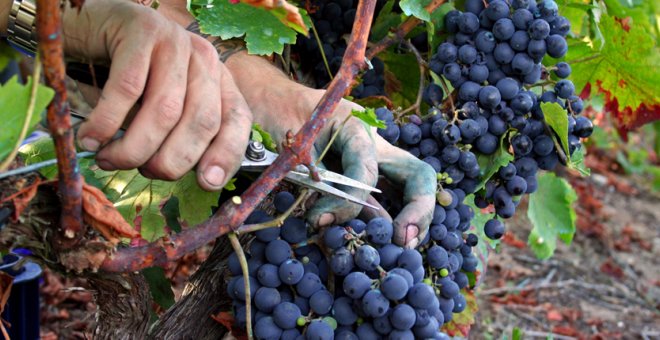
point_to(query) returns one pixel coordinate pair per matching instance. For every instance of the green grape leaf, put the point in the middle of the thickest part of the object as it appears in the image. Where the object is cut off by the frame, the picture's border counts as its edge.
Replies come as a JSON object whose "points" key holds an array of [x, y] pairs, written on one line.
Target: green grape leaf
{"points": [[368, 116], [14, 102], [461, 322], [401, 70], [557, 119], [140, 199], [416, 8], [385, 21], [490, 164], [159, 286], [264, 33], [626, 69], [261, 135], [577, 162], [552, 214]]}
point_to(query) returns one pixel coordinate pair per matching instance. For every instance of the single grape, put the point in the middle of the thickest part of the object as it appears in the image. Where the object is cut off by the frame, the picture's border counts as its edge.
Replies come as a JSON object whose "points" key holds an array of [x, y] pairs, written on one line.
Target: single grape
{"points": [[494, 229], [583, 127], [389, 254], [343, 312], [563, 70], [335, 237], [341, 261], [278, 251], [367, 258], [539, 29], [283, 200], [556, 45], [394, 286], [294, 230], [291, 272], [375, 304], [308, 285], [503, 29], [319, 330], [379, 231], [321, 302], [266, 328], [266, 299], [356, 284]]}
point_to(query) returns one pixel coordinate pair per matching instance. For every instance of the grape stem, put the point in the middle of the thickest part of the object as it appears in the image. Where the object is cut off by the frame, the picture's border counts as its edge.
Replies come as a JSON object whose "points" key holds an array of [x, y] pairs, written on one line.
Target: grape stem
{"points": [[422, 79], [238, 249], [560, 150], [320, 45], [449, 96], [277, 221], [332, 139]]}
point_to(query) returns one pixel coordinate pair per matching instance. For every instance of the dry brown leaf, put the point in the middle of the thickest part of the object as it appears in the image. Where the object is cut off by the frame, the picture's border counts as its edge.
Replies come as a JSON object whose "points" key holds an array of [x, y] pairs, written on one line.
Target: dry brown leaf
{"points": [[104, 217]]}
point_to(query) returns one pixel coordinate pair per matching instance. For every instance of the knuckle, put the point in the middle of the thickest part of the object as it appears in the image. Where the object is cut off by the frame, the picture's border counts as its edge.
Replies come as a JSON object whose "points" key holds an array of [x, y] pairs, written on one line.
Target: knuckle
{"points": [[169, 111], [131, 84], [205, 50], [130, 159], [208, 123], [163, 168]]}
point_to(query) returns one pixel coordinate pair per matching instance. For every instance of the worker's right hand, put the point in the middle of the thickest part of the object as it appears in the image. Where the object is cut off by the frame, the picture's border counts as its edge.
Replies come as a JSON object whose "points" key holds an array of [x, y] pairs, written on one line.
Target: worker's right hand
{"points": [[192, 113]]}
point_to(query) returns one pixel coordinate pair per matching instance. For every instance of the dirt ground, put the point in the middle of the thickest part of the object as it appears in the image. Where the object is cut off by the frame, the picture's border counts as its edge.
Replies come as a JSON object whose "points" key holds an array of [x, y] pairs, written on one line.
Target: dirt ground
{"points": [[605, 285]]}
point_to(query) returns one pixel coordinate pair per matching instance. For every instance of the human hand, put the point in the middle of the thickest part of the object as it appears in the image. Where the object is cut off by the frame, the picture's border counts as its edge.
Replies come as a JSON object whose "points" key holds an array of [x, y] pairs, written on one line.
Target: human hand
{"points": [[192, 113], [363, 154]]}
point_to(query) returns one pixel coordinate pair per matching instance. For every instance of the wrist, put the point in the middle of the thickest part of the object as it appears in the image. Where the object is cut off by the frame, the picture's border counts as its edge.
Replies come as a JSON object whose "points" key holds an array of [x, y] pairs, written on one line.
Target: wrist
{"points": [[5, 7]]}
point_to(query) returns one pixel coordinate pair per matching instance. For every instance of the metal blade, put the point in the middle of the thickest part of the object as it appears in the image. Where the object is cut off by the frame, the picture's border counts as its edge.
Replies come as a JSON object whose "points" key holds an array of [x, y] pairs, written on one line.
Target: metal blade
{"points": [[333, 177], [305, 180]]}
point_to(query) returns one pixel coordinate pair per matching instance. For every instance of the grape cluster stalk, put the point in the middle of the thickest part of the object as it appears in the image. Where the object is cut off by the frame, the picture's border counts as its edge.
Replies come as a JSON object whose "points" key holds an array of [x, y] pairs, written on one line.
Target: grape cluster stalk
{"points": [[492, 59]]}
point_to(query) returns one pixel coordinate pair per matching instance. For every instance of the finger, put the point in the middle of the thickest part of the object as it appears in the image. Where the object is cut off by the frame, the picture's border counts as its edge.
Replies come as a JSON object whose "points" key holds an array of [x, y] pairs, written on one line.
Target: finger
{"points": [[223, 157], [358, 160], [161, 110], [419, 182], [126, 82], [367, 213], [198, 126]]}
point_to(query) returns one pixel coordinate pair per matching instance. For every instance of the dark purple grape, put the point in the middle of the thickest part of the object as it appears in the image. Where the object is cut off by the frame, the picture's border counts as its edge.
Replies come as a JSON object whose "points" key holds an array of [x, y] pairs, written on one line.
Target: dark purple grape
{"points": [[562, 70], [564, 88], [503, 53], [522, 145], [497, 9], [503, 29], [583, 127], [447, 52], [539, 29], [556, 46], [484, 41], [522, 18], [494, 229], [468, 23]]}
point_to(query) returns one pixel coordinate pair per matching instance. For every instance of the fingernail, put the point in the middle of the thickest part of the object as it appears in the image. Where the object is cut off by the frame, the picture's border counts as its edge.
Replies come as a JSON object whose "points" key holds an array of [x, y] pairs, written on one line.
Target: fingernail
{"points": [[105, 165], [326, 219], [89, 144], [411, 232], [214, 176]]}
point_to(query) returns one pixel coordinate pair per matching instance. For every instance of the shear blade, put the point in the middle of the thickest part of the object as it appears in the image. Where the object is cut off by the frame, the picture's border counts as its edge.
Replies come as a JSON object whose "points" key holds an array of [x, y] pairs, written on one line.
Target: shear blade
{"points": [[305, 180]]}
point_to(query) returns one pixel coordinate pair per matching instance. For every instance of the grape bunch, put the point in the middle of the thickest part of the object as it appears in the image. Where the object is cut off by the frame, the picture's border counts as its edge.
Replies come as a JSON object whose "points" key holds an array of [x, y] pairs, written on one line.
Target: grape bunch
{"points": [[333, 20], [364, 287], [493, 61]]}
